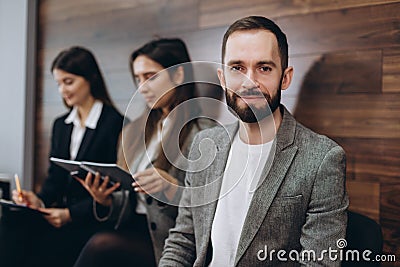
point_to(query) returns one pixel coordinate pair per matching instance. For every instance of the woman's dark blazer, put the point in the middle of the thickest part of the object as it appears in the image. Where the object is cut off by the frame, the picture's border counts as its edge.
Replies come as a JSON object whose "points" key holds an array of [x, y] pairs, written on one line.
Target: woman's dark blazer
{"points": [[98, 145]]}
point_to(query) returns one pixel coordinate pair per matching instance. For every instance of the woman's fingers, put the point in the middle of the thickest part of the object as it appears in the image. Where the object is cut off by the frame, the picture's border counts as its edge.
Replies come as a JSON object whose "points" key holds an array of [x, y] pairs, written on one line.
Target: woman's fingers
{"points": [[57, 217], [104, 183], [98, 190], [150, 181], [152, 184], [111, 189], [94, 184], [153, 188], [96, 181], [88, 179], [146, 172], [144, 180]]}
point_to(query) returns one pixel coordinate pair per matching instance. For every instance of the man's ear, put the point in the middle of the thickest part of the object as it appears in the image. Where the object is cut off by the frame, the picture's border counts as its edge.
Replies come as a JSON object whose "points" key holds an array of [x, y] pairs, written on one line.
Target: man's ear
{"points": [[179, 76], [287, 78], [221, 77]]}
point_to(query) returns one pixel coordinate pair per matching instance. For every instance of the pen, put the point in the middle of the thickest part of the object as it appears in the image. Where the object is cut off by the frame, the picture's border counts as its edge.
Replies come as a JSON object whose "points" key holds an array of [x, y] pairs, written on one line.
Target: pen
{"points": [[20, 195]]}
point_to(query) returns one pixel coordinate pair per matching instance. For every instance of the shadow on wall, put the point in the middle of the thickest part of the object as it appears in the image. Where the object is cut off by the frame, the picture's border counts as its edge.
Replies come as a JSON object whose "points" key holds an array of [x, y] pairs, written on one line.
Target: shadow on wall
{"points": [[341, 96], [333, 87]]}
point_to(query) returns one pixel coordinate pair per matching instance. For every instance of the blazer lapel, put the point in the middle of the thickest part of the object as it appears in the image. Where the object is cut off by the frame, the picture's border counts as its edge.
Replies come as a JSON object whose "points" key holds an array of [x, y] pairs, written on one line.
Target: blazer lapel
{"points": [[66, 142], [86, 141], [274, 173], [213, 181]]}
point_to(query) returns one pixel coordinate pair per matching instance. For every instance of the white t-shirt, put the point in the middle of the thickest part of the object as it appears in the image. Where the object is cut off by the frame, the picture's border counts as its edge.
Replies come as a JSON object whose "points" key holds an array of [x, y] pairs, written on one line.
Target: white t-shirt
{"points": [[241, 177], [78, 131]]}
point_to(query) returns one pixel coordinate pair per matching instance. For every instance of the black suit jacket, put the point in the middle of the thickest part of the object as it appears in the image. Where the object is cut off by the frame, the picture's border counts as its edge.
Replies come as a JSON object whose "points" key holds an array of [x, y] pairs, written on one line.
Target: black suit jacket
{"points": [[98, 145]]}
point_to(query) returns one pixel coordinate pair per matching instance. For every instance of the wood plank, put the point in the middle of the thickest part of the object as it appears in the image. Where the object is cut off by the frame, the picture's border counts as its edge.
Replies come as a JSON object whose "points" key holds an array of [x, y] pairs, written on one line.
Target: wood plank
{"points": [[122, 24], [351, 115], [390, 201], [302, 65], [372, 159], [219, 13], [364, 198], [353, 29], [391, 71], [75, 9], [390, 212], [349, 72], [335, 73]]}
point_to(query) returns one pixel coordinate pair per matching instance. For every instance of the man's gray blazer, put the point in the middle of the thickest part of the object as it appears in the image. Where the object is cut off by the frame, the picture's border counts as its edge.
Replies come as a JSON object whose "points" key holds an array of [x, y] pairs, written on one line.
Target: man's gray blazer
{"points": [[299, 207]]}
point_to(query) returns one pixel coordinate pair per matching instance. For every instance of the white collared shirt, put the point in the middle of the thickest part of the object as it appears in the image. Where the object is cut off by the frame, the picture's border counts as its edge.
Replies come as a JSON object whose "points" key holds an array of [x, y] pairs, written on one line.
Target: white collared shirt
{"points": [[78, 131], [149, 156]]}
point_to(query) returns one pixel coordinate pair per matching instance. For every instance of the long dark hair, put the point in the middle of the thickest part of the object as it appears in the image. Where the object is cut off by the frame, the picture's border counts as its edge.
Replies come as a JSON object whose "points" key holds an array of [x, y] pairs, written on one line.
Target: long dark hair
{"points": [[169, 53], [80, 61]]}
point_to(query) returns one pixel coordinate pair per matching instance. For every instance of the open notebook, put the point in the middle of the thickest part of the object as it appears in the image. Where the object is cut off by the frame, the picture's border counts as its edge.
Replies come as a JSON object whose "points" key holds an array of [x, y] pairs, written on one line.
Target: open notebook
{"points": [[81, 168], [13, 206]]}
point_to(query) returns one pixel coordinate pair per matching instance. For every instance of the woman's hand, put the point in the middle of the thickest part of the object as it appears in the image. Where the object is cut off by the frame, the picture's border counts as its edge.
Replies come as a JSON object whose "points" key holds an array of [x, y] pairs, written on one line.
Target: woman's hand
{"points": [[57, 217], [97, 190], [154, 180], [27, 198]]}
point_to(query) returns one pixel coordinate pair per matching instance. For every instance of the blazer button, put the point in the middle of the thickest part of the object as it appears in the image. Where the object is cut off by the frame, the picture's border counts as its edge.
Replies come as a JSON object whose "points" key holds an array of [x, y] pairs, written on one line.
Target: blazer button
{"points": [[153, 226], [149, 200]]}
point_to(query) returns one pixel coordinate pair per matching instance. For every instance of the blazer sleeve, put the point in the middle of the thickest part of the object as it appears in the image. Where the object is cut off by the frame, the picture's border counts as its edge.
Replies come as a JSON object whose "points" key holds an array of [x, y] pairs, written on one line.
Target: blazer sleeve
{"points": [[180, 246], [57, 178], [327, 211]]}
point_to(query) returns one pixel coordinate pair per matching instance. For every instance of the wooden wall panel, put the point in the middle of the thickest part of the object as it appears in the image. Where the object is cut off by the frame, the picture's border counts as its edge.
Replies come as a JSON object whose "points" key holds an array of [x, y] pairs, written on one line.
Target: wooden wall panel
{"points": [[360, 116], [390, 213], [217, 13], [68, 10], [349, 72], [124, 24], [346, 56], [391, 70], [364, 198], [352, 29], [375, 160]]}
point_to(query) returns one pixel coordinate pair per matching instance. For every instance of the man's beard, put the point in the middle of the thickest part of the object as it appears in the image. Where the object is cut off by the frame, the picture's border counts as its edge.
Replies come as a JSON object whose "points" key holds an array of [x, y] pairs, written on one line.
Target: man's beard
{"points": [[251, 114]]}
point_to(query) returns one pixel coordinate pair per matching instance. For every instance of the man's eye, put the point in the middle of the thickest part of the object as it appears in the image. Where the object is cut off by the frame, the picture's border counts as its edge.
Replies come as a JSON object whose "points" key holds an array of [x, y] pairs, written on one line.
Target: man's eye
{"points": [[265, 69], [236, 68]]}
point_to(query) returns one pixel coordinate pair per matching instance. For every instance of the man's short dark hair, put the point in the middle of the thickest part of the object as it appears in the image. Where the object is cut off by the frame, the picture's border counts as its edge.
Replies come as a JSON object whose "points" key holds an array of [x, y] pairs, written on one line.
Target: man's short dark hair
{"points": [[261, 23]]}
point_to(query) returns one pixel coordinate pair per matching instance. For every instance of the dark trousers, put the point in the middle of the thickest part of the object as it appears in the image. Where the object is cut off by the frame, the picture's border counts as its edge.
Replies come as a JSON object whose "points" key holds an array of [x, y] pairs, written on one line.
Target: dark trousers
{"points": [[29, 240], [129, 246]]}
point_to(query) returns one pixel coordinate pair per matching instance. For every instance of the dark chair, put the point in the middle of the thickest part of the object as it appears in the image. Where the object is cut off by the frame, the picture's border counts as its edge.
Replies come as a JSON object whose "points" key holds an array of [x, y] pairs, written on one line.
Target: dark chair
{"points": [[363, 234]]}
